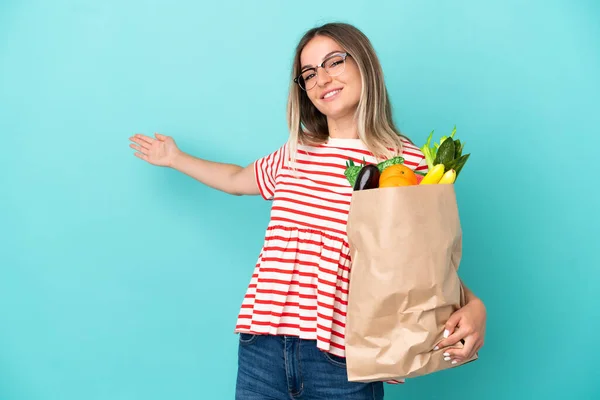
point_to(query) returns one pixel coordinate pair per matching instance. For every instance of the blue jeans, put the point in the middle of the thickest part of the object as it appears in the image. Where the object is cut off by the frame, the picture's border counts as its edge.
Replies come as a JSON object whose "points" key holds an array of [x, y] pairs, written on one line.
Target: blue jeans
{"points": [[288, 368]]}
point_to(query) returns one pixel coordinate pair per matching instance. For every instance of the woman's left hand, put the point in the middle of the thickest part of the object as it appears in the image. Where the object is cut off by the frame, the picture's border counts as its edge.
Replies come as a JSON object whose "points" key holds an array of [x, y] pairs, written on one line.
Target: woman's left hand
{"points": [[468, 324]]}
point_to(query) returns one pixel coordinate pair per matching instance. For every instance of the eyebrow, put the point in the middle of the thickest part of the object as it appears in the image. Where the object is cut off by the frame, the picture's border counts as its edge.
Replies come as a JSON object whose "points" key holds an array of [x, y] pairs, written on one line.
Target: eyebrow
{"points": [[326, 55]]}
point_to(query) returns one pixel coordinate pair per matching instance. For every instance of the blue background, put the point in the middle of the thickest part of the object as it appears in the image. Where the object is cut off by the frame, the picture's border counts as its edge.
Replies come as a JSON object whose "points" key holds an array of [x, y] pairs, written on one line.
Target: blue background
{"points": [[120, 280]]}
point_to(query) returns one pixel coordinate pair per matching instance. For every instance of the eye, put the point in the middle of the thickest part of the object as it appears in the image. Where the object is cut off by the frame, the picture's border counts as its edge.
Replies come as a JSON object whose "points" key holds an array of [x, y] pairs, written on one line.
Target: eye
{"points": [[306, 75]]}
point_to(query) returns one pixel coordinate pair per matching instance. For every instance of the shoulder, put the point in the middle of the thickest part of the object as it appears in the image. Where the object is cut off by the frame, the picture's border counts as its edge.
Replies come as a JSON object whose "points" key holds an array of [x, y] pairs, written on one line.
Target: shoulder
{"points": [[413, 156], [411, 150]]}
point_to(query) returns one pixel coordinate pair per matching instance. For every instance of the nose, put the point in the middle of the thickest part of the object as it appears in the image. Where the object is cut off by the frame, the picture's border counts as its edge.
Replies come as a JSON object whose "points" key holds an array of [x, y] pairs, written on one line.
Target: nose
{"points": [[323, 77]]}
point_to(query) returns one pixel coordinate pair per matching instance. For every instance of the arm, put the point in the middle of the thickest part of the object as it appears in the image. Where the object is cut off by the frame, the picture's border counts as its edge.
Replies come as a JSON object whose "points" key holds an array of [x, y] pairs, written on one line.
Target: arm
{"points": [[228, 178], [163, 151]]}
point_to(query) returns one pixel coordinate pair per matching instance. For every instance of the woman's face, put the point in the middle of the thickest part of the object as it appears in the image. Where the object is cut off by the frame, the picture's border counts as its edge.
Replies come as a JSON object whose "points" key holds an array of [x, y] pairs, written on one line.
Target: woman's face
{"points": [[334, 96]]}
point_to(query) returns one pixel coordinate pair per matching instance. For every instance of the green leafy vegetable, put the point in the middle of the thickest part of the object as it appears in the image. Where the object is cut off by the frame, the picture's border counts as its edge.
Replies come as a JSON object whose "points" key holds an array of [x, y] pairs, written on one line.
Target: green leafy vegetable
{"points": [[392, 161], [429, 151], [352, 171], [448, 151], [445, 153], [458, 163]]}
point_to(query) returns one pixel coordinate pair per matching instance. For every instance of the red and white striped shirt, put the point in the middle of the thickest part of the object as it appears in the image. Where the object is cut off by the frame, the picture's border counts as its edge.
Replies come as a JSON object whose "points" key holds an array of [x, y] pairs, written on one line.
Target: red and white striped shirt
{"points": [[300, 282]]}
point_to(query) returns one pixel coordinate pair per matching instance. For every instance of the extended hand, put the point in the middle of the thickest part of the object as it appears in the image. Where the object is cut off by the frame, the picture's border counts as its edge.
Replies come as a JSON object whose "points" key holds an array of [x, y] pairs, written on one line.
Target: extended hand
{"points": [[468, 324], [160, 151]]}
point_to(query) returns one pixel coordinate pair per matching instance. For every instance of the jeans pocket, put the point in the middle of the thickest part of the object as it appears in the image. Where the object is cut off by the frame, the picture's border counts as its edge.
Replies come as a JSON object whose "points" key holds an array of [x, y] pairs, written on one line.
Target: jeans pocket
{"points": [[334, 360], [247, 338]]}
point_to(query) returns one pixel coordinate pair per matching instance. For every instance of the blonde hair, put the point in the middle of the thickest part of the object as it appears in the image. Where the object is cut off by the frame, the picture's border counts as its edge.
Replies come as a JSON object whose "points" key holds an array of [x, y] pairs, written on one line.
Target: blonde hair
{"points": [[376, 127]]}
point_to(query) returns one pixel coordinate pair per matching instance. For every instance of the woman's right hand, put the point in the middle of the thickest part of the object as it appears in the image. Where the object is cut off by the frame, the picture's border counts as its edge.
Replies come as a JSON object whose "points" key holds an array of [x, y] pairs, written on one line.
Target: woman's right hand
{"points": [[161, 151]]}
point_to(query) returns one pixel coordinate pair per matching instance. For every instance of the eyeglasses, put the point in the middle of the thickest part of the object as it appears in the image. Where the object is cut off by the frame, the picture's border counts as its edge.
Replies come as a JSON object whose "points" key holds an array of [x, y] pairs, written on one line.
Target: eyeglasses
{"points": [[333, 66]]}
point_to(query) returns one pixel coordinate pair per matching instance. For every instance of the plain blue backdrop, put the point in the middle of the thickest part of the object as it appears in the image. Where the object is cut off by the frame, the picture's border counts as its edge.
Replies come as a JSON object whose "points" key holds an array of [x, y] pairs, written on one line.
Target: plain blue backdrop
{"points": [[119, 280]]}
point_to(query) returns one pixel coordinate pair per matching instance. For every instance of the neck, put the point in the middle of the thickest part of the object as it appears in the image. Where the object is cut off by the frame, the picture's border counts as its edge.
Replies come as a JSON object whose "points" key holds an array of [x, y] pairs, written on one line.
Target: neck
{"points": [[343, 127]]}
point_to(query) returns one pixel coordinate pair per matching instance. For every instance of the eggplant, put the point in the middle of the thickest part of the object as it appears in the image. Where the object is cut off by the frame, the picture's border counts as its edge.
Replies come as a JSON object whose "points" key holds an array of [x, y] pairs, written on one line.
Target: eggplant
{"points": [[367, 178]]}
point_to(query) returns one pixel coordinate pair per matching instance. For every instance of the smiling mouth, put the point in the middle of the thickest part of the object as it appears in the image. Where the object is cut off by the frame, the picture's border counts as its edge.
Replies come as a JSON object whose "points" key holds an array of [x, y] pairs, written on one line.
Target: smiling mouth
{"points": [[330, 94]]}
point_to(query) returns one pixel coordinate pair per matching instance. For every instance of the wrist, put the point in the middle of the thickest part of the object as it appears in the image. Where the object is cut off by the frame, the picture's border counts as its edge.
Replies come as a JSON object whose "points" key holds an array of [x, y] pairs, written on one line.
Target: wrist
{"points": [[175, 160]]}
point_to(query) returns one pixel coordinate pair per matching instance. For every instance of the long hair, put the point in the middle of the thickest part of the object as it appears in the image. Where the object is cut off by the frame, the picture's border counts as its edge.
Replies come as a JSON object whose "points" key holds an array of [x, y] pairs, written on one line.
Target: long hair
{"points": [[376, 128]]}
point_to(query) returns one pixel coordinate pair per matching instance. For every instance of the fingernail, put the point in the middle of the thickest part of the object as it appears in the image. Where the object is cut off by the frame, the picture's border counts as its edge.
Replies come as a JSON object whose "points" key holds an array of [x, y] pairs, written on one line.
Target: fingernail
{"points": [[454, 362], [446, 333], [446, 358], [436, 348], [446, 354]]}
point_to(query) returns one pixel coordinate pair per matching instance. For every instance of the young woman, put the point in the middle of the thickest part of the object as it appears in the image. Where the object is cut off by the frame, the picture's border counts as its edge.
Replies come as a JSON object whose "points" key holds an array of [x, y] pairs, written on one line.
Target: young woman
{"points": [[291, 322]]}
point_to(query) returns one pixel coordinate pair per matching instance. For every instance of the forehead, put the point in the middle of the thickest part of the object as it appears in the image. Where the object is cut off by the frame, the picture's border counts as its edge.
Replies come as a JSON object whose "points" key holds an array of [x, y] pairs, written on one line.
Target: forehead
{"points": [[316, 49]]}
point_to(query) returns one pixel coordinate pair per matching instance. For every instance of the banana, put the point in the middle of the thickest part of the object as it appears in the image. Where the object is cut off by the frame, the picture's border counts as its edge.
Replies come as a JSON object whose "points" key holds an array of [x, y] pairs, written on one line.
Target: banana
{"points": [[434, 175], [448, 177]]}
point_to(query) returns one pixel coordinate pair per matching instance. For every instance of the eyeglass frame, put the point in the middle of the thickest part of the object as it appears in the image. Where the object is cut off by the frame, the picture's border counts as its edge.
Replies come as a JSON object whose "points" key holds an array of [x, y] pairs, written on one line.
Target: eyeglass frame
{"points": [[344, 55]]}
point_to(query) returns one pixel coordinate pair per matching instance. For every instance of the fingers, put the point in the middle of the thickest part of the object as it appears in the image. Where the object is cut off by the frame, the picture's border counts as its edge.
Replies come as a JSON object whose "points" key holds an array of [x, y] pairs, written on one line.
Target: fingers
{"points": [[471, 347], [464, 353], [142, 156], [143, 139], [453, 321], [160, 137], [140, 149], [451, 340], [450, 326]]}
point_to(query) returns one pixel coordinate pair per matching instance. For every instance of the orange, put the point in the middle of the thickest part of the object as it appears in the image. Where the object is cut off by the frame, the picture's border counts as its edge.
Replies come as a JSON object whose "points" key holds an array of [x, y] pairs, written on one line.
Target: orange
{"points": [[400, 171], [395, 180]]}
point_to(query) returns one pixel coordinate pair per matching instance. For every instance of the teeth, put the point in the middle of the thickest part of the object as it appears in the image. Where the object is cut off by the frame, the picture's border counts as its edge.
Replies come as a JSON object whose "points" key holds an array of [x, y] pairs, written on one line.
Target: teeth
{"points": [[331, 93]]}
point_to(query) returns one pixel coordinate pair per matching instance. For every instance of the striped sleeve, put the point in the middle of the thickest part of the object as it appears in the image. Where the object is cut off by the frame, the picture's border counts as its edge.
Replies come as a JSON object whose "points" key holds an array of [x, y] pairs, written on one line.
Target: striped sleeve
{"points": [[265, 172]]}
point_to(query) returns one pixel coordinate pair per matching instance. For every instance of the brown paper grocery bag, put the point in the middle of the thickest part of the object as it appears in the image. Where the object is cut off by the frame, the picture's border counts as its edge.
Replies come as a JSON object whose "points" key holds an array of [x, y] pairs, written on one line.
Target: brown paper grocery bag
{"points": [[406, 246]]}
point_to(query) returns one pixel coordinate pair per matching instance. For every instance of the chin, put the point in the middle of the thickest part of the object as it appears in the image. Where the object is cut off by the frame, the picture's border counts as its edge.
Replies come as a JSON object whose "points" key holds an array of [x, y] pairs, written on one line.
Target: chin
{"points": [[336, 111]]}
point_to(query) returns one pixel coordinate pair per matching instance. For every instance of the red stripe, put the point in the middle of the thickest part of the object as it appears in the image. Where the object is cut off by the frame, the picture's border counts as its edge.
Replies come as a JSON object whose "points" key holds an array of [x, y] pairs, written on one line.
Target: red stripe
{"points": [[282, 154], [318, 228], [285, 314], [321, 164], [307, 214], [307, 241], [293, 326], [304, 194], [409, 145], [275, 303], [408, 153], [319, 173], [260, 183], [281, 325], [289, 293], [344, 158], [330, 319], [331, 343], [311, 296], [315, 188], [330, 307], [307, 230], [307, 253], [275, 281], [327, 184], [361, 151], [292, 282], [312, 205], [335, 333], [299, 273], [264, 178], [302, 285]]}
